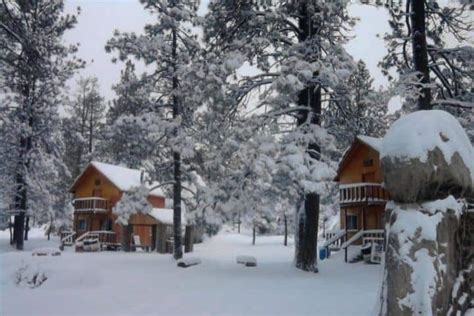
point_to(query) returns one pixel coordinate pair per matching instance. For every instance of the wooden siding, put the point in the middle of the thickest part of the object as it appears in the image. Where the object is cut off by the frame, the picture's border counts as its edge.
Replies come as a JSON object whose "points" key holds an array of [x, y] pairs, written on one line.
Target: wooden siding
{"points": [[354, 170]]}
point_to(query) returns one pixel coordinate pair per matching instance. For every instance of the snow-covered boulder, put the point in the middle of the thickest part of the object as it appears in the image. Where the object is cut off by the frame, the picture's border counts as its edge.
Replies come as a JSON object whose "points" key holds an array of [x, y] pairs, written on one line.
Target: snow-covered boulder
{"points": [[426, 155], [46, 251], [421, 261], [248, 261]]}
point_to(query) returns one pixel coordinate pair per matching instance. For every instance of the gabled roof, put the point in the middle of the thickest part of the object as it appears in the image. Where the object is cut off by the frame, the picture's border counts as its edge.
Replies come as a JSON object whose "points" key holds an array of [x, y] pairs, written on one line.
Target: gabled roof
{"points": [[122, 178], [360, 140]]}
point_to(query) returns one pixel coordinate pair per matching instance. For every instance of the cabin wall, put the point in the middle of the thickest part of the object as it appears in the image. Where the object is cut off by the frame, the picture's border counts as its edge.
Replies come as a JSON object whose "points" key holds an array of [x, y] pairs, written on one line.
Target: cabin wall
{"points": [[354, 170], [370, 218]]}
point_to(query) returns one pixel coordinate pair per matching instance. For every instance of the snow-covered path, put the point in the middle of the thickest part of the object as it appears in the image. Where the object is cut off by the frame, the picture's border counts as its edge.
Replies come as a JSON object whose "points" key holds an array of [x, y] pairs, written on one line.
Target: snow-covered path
{"points": [[116, 283]]}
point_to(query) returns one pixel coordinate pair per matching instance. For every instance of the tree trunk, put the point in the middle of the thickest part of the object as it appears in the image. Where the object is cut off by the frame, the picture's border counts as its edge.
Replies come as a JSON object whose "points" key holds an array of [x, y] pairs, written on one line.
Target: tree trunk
{"points": [[27, 227], [238, 225], [254, 235], [161, 238], [420, 51], [189, 238], [20, 202], [306, 243], [177, 234], [10, 229], [285, 221], [91, 125], [126, 237]]}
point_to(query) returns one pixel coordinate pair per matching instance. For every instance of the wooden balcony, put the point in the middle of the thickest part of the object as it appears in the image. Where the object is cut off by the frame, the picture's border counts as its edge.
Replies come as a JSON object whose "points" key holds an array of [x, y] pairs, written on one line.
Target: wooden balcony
{"points": [[91, 204], [362, 193]]}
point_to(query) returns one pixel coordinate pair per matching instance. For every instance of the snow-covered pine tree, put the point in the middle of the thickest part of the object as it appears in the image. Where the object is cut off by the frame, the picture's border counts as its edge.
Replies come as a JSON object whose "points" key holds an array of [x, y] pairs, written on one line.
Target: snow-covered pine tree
{"points": [[84, 125], [36, 63], [168, 45], [133, 98], [358, 109], [437, 71], [295, 47]]}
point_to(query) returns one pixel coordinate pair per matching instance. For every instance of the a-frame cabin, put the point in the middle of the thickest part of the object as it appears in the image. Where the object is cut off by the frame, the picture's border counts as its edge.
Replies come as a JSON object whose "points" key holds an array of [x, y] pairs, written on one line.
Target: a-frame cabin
{"points": [[362, 198]]}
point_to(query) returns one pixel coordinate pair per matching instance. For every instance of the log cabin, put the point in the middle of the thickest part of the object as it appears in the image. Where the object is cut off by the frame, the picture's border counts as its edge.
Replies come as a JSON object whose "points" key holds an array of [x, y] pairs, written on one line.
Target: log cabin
{"points": [[98, 189], [362, 197]]}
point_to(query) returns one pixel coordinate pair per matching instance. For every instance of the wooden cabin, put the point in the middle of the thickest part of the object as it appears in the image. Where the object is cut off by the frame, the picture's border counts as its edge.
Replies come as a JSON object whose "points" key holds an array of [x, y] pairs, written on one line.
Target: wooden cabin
{"points": [[98, 189], [362, 198]]}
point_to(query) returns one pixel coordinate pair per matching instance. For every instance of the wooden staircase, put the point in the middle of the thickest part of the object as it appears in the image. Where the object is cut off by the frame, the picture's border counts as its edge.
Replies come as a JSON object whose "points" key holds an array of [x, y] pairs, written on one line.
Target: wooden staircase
{"points": [[368, 236]]}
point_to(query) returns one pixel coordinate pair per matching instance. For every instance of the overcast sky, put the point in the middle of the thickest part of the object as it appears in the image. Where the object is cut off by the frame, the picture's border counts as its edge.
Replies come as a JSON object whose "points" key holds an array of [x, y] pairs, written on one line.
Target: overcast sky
{"points": [[99, 18]]}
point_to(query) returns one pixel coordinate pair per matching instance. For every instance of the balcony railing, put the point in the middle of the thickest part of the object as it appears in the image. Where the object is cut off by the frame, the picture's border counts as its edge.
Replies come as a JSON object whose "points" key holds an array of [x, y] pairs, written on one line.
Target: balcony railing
{"points": [[370, 193], [91, 204]]}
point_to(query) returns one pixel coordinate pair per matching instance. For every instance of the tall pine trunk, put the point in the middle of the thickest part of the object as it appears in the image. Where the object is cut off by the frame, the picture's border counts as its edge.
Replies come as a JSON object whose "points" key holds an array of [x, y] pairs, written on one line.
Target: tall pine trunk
{"points": [[307, 223], [177, 234], [285, 221], [27, 227], [420, 51]]}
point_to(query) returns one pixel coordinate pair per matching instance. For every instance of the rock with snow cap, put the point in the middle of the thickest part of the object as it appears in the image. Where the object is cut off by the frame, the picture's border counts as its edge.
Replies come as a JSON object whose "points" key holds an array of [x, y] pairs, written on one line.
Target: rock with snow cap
{"points": [[426, 155]]}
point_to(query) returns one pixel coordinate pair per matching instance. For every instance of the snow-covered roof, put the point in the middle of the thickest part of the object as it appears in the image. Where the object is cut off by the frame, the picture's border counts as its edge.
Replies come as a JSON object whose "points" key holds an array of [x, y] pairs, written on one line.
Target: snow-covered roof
{"points": [[165, 216], [122, 177], [372, 142]]}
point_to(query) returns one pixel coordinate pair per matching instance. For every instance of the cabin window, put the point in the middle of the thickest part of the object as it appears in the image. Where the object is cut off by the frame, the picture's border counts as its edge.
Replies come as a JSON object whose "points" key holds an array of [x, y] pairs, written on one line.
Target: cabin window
{"points": [[82, 224], [368, 162], [97, 181], [351, 222]]}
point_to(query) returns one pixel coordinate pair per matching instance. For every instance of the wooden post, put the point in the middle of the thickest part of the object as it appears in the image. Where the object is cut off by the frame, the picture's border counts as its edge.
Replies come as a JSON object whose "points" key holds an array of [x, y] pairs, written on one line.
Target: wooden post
{"points": [[126, 237], [346, 237], [160, 238], [189, 238], [285, 219]]}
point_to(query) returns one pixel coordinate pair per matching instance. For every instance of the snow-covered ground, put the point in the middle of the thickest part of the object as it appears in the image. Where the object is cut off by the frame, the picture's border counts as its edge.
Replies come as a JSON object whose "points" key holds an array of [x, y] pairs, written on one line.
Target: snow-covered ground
{"points": [[117, 283]]}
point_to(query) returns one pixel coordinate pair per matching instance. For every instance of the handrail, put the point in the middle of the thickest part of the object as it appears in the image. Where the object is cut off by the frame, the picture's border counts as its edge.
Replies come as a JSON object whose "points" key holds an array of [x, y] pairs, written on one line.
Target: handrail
{"points": [[351, 240], [89, 199], [361, 233], [67, 235], [359, 184], [335, 238]]}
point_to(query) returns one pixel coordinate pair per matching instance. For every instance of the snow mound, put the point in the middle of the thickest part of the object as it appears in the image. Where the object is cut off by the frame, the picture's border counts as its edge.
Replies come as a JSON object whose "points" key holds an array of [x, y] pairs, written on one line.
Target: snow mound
{"points": [[248, 261], [46, 251], [415, 134], [188, 262]]}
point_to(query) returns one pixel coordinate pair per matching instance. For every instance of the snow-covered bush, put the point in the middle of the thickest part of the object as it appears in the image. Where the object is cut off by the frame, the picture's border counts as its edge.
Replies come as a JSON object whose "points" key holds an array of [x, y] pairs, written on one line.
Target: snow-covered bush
{"points": [[28, 275]]}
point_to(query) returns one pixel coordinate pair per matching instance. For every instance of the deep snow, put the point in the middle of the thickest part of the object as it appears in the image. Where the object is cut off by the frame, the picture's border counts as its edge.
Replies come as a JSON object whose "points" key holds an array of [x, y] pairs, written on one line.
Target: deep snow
{"points": [[117, 283]]}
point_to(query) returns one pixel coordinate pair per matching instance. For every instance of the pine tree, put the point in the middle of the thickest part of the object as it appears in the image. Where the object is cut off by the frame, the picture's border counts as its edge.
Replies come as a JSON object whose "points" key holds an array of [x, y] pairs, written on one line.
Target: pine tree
{"points": [[85, 124], [296, 50], [36, 63], [359, 109], [432, 73], [169, 46]]}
